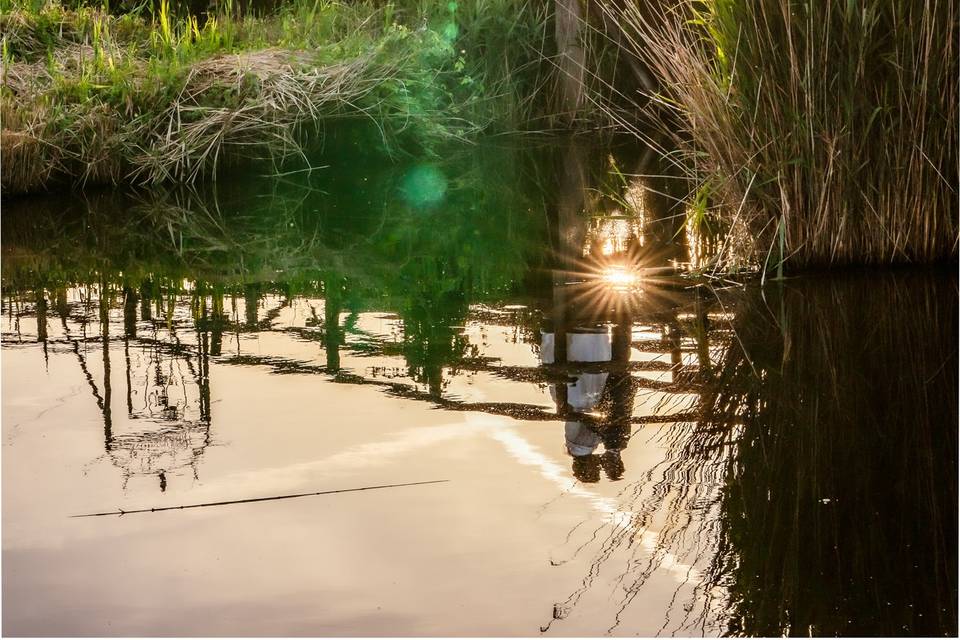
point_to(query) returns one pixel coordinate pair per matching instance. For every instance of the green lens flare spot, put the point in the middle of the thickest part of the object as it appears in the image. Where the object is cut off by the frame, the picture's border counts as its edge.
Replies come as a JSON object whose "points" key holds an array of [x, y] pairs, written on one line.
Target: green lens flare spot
{"points": [[423, 186], [449, 31]]}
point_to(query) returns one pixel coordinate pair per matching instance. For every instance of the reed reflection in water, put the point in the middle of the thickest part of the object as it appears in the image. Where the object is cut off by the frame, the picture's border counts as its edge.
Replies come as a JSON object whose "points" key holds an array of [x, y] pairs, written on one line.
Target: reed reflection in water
{"points": [[840, 501], [815, 493]]}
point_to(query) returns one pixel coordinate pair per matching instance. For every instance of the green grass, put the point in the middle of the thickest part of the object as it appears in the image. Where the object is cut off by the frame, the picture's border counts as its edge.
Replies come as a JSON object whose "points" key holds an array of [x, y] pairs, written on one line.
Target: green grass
{"points": [[91, 96]]}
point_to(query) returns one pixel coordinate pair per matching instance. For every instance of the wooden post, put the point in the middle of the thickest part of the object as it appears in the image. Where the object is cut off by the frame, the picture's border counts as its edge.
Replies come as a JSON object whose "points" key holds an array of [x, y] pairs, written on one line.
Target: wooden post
{"points": [[571, 57]]}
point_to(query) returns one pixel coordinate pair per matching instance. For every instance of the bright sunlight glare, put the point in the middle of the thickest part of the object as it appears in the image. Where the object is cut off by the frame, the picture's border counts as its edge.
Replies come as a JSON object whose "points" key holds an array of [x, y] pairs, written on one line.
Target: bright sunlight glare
{"points": [[619, 278]]}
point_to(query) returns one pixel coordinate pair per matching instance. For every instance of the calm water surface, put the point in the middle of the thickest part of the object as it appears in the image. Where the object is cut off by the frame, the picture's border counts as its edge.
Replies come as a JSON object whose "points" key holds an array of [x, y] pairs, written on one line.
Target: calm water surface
{"points": [[626, 450]]}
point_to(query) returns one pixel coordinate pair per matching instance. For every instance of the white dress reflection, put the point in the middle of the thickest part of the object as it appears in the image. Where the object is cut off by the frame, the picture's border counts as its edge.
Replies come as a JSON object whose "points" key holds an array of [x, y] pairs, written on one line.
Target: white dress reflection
{"points": [[583, 394]]}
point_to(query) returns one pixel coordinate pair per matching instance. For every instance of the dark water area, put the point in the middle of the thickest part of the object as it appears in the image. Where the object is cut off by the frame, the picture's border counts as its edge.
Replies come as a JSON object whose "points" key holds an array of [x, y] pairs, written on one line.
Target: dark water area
{"points": [[627, 448]]}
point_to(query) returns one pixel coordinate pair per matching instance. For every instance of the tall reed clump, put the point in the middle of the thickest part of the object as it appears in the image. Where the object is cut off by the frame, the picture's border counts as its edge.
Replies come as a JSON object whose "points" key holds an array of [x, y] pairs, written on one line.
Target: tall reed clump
{"points": [[827, 129]]}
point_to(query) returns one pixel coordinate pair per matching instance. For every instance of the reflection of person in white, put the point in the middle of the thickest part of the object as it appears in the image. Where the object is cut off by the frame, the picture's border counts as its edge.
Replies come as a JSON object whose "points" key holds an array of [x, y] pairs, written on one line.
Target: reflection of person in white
{"points": [[583, 395]]}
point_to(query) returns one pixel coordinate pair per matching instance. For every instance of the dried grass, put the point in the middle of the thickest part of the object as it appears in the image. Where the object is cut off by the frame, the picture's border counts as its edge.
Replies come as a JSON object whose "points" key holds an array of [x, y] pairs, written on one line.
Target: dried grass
{"points": [[250, 105], [284, 92]]}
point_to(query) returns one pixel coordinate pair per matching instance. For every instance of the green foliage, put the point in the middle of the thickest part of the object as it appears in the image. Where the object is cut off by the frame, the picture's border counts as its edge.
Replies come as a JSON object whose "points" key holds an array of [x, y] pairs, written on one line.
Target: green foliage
{"points": [[426, 72]]}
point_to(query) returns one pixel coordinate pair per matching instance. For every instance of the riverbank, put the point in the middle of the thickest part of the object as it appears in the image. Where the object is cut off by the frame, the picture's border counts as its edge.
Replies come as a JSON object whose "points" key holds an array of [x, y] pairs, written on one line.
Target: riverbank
{"points": [[839, 149], [92, 97]]}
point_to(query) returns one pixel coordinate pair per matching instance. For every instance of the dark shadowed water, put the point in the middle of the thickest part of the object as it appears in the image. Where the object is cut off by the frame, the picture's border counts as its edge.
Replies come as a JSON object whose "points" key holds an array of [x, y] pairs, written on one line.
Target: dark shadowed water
{"points": [[626, 449]]}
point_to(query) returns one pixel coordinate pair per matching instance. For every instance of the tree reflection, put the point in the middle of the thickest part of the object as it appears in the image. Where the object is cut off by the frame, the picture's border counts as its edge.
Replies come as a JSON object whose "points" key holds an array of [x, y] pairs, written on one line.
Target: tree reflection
{"points": [[809, 485]]}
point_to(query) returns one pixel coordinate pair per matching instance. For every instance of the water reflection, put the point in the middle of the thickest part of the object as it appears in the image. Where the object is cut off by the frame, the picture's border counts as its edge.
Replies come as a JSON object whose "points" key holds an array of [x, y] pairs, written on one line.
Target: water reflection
{"points": [[809, 478], [166, 424], [615, 272], [839, 400], [808, 495]]}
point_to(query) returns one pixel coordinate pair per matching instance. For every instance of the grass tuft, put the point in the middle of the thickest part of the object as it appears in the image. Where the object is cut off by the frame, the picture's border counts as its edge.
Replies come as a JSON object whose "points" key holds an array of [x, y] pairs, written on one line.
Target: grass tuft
{"points": [[92, 96]]}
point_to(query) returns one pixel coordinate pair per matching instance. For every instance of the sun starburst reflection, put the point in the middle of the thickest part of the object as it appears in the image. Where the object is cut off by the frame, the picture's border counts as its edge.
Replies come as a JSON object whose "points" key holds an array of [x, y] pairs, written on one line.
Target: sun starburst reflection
{"points": [[620, 278]]}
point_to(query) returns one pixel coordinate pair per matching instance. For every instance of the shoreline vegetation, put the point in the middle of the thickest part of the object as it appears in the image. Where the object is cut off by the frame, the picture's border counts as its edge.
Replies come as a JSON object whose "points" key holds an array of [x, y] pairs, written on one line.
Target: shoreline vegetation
{"points": [[827, 131], [91, 96], [823, 133]]}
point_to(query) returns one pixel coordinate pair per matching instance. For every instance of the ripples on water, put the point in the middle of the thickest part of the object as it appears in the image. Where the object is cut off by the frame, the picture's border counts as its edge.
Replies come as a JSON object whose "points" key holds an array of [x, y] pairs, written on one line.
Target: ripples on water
{"points": [[672, 456]]}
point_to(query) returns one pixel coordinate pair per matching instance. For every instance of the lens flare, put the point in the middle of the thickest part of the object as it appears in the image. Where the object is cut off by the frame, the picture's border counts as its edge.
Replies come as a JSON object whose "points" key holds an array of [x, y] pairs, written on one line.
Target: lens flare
{"points": [[620, 278]]}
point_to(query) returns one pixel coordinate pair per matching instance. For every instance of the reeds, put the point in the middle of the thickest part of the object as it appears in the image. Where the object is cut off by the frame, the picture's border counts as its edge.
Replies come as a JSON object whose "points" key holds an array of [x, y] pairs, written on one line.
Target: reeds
{"points": [[828, 129]]}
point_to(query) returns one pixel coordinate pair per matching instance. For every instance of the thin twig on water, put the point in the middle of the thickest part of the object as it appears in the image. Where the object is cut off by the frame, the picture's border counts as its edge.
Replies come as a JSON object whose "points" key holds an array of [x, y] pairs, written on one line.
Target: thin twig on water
{"points": [[121, 512]]}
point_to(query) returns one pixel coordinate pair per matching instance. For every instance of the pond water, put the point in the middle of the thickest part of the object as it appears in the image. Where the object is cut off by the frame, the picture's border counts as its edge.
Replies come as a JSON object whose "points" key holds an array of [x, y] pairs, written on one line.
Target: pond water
{"points": [[623, 449]]}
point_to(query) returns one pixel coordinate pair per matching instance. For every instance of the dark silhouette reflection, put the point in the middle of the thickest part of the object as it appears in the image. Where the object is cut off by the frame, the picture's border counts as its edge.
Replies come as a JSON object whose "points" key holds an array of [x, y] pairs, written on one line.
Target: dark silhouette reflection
{"points": [[41, 311], [840, 500], [166, 425], [146, 299], [598, 404], [332, 332], [129, 313], [581, 395], [251, 305], [215, 323], [40, 304], [431, 337]]}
